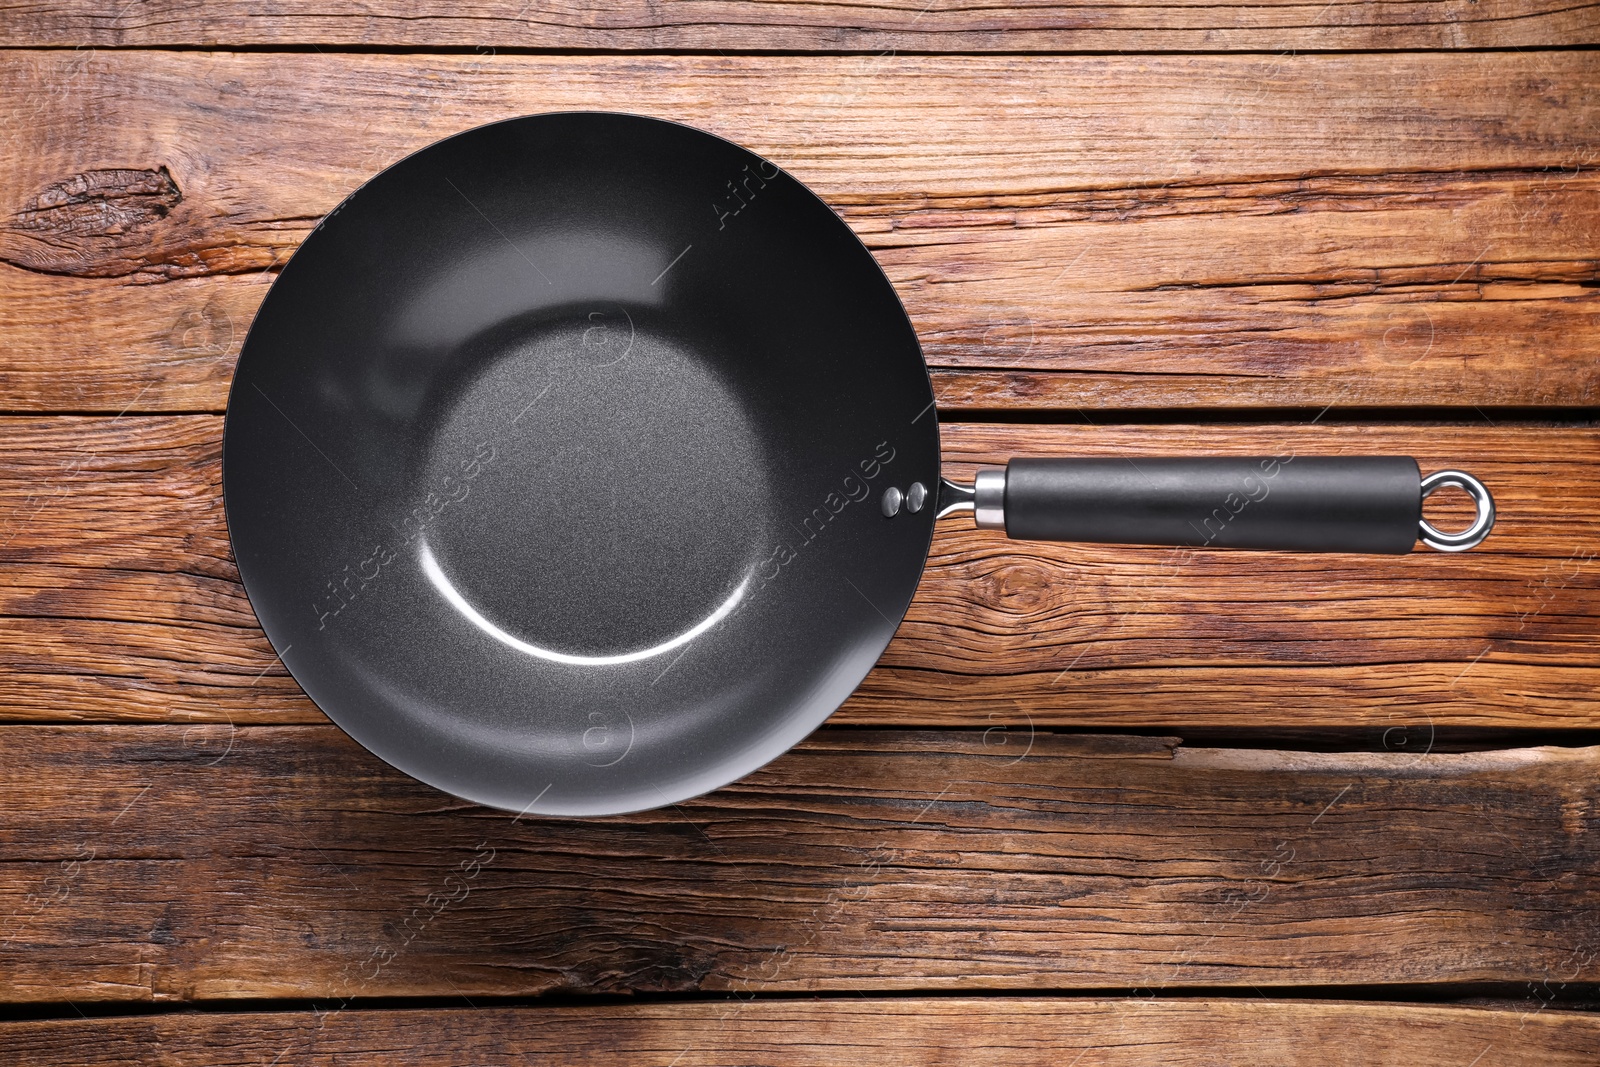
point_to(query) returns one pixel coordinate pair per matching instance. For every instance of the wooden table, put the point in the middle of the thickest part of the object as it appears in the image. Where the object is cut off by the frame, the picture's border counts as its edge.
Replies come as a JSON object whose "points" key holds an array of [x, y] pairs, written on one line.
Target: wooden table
{"points": [[1096, 805]]}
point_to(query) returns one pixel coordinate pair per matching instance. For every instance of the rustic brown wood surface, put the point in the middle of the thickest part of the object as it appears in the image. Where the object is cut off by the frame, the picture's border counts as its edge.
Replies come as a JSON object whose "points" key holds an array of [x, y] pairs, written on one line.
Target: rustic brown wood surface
{"points": [[1067, 232], [1390, 246], [174, 863], [122, 603], [913, 25], [943, 1032]]}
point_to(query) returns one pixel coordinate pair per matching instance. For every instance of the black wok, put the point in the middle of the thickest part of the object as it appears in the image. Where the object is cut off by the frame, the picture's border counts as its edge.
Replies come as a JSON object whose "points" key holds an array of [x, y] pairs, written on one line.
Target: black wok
{"points": [[583, 463]]}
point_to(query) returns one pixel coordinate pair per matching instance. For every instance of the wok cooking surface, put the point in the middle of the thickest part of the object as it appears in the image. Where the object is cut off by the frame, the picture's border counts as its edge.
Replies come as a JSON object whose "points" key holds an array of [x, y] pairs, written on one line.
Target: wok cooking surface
{"points": [[554, 461]]}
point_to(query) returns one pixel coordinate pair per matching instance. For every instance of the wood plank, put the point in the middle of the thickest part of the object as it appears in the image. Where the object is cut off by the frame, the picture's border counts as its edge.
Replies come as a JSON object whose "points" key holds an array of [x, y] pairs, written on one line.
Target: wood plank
{"points": [[1091, 232], [120, 600], [875, 25], [910, 1032], [172, 863]]}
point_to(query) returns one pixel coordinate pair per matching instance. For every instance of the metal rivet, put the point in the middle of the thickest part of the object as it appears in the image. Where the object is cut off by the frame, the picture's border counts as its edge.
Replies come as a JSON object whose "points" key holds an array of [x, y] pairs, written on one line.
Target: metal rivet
{"points": [[916, 496], [891, 502]]}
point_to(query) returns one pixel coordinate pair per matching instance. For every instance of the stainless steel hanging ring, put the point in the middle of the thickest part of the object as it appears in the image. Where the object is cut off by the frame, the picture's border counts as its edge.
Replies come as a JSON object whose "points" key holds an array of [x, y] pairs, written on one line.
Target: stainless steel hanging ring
{"points": [[1481, 525]]}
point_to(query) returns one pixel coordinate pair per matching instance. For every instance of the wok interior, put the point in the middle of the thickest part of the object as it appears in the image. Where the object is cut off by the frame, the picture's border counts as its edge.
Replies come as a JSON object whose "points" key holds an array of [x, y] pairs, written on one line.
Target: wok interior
{"points": [[553, 472]]}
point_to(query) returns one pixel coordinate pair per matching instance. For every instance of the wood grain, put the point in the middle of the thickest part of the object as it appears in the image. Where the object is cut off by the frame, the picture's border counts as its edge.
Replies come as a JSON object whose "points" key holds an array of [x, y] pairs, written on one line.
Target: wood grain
{"points": [[1092, 233], [120, 601], [172, 863], [876, 25], [910, 1032]]}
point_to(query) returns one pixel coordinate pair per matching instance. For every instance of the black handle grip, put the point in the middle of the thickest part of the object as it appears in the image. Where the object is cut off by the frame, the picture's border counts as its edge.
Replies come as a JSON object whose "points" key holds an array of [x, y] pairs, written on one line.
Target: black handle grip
{"points": [[1307, 503]]}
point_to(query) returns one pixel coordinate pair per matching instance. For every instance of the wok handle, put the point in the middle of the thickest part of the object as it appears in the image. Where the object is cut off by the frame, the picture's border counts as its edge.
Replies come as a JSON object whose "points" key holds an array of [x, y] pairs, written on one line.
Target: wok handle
{"points": [[1367, 504]]}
